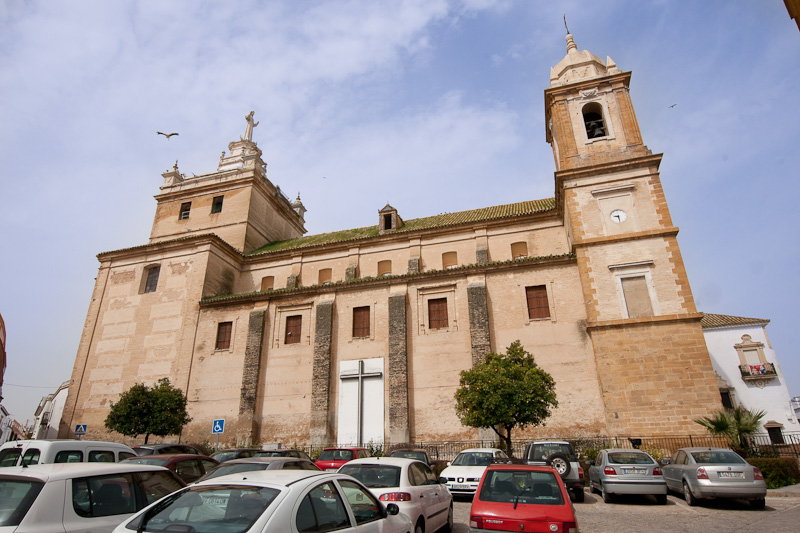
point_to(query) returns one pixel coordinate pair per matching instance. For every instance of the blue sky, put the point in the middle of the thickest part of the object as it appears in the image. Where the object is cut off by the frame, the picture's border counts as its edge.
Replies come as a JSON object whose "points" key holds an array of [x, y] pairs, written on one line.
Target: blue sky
{"points": [[431, 105]]}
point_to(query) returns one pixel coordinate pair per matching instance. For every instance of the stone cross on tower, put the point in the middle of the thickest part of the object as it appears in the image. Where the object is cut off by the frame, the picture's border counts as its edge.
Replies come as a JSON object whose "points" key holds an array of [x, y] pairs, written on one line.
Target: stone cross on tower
{"points": [[248, 129]]}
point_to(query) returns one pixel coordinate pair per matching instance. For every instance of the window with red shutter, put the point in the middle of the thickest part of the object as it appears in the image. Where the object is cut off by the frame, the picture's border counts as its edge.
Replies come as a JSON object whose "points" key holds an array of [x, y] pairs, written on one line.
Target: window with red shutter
{"points": [[361, 321], [538, 307], [294, 327], [437, 313], [224, 330]]}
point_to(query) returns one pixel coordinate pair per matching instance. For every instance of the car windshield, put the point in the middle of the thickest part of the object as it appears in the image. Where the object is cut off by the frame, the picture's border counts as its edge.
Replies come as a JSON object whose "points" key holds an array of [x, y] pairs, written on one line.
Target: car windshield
{"points": [[521, 487], [724, 457], [16, 497], [9, 456], [224, 470], [269, 454], [629, 458], [218, 508], [336, 455], [143, 451], [225, 456], [473, 459], [546, 449], [374, 476], [419, 456]]}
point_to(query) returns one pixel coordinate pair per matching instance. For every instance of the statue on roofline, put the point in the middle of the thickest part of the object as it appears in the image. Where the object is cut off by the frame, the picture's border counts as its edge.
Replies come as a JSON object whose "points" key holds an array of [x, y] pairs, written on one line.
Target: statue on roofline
{"points": [[248, 130]]}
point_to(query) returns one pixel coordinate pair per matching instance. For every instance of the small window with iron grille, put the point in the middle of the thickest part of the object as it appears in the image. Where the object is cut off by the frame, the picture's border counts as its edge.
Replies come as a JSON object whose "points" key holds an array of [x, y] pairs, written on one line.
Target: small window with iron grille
{"points": [[224, 330], [361, 322], [294, 327], [186, 207], [437, 313], [538, 306], [216, 205], [151, 281]]}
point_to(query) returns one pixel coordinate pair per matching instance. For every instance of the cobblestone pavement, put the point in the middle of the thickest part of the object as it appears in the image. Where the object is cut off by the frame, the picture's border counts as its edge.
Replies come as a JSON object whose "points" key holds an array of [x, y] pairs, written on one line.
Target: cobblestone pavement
{"points": [[633, 513]]}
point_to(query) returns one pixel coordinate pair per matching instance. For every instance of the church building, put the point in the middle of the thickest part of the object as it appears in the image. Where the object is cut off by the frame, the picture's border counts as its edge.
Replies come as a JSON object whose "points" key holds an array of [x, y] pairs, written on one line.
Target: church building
{"points": [[359, 335]]}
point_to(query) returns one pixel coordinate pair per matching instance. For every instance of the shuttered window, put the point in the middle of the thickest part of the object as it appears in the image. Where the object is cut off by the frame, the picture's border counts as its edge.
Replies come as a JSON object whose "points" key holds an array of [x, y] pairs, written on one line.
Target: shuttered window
{"points": [[324, 276], [437, 313], [519, 250], [384, 267], [538, 307], [449, 260], [294, 326], [224, 335], [267, 283], [637, 297], [361, 321]]}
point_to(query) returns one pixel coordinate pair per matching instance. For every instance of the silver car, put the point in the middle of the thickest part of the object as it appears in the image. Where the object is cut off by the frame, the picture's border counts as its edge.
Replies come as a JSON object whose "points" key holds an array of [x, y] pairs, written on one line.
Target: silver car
{"points": [[626, 471], [704, 473]]}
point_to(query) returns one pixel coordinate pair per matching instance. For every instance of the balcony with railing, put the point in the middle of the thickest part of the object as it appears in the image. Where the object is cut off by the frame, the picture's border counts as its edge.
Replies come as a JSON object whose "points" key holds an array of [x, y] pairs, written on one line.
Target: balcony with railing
{"points": [[755, 372]]}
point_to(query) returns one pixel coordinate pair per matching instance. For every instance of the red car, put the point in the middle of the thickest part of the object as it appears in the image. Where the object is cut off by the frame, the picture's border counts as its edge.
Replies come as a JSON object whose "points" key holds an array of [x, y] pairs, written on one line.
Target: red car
{"points": [[530, 498], [332, 458]]}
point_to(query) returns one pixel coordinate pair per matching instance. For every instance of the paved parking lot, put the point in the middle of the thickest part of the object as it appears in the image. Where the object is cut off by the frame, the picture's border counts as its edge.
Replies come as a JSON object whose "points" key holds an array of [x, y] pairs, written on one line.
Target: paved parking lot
{"points": [[782, 514]]}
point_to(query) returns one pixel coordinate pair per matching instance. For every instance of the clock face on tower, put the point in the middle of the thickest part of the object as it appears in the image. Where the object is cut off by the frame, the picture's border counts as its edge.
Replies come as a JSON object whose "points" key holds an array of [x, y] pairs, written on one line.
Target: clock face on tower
{"points": [[618, 215]]}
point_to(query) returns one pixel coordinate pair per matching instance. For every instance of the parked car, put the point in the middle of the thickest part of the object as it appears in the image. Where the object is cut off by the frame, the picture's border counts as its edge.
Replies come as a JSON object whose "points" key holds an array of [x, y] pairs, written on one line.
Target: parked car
{"points": [[409, 483], [79, 497], [156, 449], [279, 501], [561, 456], [331, 459], [288, 452], [46, 451], [188, 467], [249, 464], [463, 474], [705, 473], [626, 471], [234, 453], [518, 497], [413, 453]]}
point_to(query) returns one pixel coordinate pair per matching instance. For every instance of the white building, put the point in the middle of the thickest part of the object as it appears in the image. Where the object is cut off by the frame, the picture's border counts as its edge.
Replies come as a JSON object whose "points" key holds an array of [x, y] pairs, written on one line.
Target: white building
{"points": [[748, 371], [48, 414]]}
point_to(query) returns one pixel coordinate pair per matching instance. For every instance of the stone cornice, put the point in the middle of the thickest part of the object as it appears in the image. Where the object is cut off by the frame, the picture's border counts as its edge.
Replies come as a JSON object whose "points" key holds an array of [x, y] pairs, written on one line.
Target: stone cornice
{"points": [[362, 283], [610, 239], [181, 243], [644, 321]]}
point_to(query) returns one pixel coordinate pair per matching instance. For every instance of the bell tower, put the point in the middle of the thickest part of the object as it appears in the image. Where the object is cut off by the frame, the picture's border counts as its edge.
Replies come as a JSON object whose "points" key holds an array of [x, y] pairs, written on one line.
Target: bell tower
{"points": [[642, 319]]}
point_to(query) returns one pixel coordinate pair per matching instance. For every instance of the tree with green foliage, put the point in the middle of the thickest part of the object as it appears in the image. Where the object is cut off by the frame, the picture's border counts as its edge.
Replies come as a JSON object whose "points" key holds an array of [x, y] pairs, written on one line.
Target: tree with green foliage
{"points": [[141, 410], [505, 392], [736, 424]]}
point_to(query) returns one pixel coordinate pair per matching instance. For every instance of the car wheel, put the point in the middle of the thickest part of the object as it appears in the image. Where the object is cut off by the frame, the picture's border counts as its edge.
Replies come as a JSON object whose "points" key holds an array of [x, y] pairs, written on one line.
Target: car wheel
{"points": [[419, 527], [448, 527], [691, 501], [560, 462], [607, 496], [758, 504], [661, 499], [580, 496]]}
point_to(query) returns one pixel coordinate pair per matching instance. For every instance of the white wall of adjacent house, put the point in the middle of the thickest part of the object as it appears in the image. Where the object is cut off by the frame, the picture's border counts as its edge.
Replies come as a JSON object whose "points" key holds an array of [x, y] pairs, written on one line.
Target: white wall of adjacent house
{"points": [[759, 393]]}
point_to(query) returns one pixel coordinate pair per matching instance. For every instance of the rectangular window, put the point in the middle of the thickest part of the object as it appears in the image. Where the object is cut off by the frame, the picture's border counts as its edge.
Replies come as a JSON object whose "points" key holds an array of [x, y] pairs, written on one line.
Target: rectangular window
{"points": [[361, 322], [224, 330], [385, 268], [727, 399], [152, 278], [185, 208], [637, 297], [449, 260], [324, 276], [294, 327], [267, 283], [519, 250], [216, 204], [437, 313], [538, 306]]}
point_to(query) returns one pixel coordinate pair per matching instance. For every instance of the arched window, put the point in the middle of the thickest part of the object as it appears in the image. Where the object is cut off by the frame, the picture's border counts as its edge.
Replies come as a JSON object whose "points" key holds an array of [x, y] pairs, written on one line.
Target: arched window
{"points": [[519, 250], [593, 120], [385, 268], [324, 276], [449, 260]]}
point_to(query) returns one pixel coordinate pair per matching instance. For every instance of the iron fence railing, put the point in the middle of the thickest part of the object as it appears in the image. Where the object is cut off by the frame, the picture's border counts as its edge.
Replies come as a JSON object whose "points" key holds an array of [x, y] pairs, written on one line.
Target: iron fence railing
{"points": [[663, 446]]}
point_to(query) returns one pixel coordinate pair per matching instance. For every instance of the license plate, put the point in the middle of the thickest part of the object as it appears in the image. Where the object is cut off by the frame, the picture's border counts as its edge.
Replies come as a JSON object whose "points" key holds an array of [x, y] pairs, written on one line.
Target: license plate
{"points": [[739, 475], [460, 487], [331, 469], [634, 470]]}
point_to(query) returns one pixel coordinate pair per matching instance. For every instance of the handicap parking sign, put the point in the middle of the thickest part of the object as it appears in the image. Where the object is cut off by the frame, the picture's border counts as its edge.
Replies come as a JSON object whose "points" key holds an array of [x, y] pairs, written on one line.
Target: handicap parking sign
{"points": [[218, 426]]}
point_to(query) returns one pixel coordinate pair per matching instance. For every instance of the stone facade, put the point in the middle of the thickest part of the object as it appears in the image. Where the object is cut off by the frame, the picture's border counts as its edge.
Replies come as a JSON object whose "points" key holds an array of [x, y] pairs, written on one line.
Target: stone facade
{"points": [[590, 281]]}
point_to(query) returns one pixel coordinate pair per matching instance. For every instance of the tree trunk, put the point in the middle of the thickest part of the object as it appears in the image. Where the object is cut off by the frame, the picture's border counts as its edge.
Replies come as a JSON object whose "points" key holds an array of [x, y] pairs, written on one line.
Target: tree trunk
{"points": [[147, 436]]}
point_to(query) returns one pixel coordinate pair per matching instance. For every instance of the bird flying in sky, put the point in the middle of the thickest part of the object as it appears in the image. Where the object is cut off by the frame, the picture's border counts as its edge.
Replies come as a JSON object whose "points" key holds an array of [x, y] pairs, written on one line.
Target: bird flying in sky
{"points": [[167, 135]]}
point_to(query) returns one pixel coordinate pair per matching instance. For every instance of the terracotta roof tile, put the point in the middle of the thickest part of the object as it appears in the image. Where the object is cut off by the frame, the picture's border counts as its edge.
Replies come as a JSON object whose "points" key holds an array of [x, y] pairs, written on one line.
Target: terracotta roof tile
{"points": [[710, 320], [417, 224]]}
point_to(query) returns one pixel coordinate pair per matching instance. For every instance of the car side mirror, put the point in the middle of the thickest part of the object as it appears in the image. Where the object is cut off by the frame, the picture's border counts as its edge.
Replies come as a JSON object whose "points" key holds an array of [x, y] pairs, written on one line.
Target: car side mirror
{"points": [[448, 463], [664, 461], [392, 509], [589, 462]]}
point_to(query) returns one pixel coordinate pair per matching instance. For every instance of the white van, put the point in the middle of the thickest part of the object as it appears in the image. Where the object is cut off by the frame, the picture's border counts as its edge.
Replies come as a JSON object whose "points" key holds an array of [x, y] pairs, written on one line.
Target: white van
{"points": [[31, 452]]}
